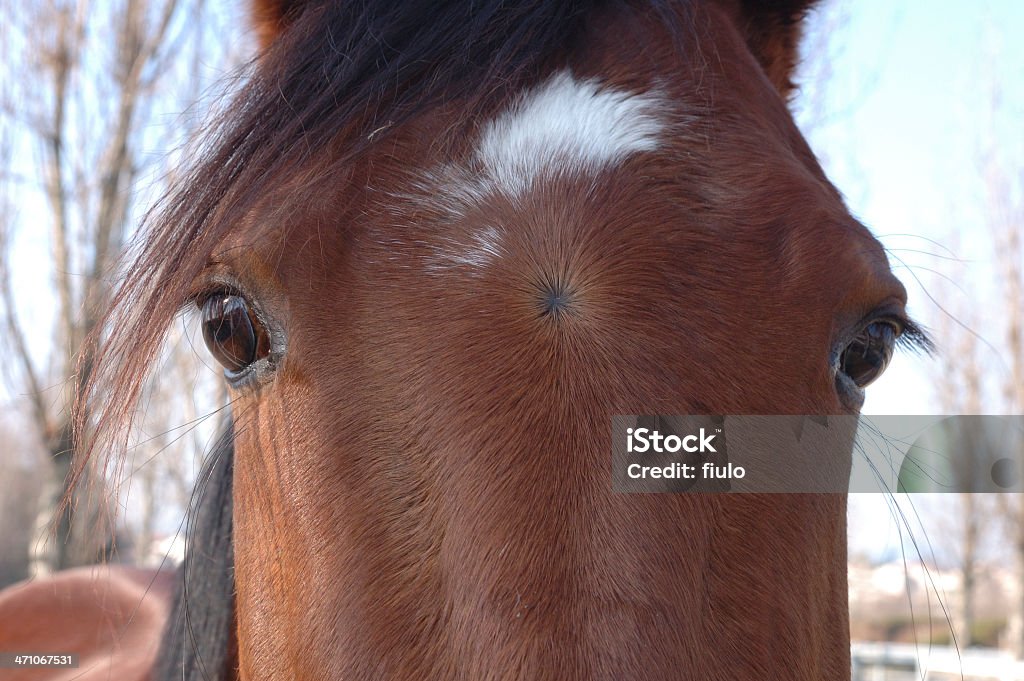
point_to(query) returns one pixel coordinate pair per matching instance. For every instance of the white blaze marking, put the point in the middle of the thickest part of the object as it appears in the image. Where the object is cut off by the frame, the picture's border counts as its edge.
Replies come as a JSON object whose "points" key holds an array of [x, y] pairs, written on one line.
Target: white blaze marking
{"points": [[486, 247], [567, 124], [564, 127]]}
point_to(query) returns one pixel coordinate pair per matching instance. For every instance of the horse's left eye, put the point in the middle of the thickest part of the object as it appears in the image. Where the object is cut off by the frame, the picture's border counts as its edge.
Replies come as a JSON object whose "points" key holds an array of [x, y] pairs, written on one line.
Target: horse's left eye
{"points": [[232, 332], [867, 356]]}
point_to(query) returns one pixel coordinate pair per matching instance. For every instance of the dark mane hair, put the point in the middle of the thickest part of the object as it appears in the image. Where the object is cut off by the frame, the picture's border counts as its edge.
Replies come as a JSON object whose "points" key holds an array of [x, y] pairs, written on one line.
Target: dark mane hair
{"points": [[197, 637]]}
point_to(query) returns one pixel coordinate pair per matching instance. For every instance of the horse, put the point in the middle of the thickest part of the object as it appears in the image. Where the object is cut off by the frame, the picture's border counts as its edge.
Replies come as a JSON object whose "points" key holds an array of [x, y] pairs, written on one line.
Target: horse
{"points": [[435, 246], [109, 616]]}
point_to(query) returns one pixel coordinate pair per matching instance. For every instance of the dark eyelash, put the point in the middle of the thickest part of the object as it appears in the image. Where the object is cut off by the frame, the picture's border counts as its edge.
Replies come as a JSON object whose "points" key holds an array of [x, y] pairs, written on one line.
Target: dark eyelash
{"points": [[914, 338]]}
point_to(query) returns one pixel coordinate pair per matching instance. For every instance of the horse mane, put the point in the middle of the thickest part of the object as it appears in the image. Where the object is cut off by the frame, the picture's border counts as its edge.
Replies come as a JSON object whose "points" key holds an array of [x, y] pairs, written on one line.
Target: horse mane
{"points": [[197, 638]]}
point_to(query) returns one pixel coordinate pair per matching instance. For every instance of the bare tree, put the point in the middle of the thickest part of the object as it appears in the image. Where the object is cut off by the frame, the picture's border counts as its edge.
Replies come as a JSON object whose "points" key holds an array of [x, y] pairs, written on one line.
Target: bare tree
{"points": [[960, 390], [1005, 213], [177, 429], [20, 483], [90, 93], [983, 354]]}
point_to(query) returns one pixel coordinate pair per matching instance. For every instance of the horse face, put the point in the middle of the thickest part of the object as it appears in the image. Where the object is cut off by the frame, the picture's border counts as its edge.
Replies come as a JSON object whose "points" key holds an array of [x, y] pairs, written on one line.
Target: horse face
{"points": [[425, 368]]}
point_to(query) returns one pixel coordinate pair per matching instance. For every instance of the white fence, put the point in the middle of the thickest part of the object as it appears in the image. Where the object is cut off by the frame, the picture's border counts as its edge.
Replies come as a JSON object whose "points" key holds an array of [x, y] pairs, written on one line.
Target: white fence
{"points": [[906, 662]]}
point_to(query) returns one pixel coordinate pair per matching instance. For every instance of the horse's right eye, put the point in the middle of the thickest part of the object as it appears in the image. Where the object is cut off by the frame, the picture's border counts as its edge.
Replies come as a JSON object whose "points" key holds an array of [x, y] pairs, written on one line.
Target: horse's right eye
{"points": [[868, 355], [234, 335]]}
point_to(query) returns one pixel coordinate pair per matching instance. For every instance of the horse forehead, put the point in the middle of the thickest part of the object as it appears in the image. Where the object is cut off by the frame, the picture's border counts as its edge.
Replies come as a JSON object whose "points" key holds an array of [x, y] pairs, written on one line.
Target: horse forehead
{"points": [[565, 129]]}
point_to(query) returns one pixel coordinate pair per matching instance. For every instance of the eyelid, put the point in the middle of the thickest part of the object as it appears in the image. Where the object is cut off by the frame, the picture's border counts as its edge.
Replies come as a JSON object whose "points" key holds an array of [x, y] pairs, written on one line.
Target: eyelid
{"points": [[212, 283], [900, 322], [200, 296], [892, 311]]}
